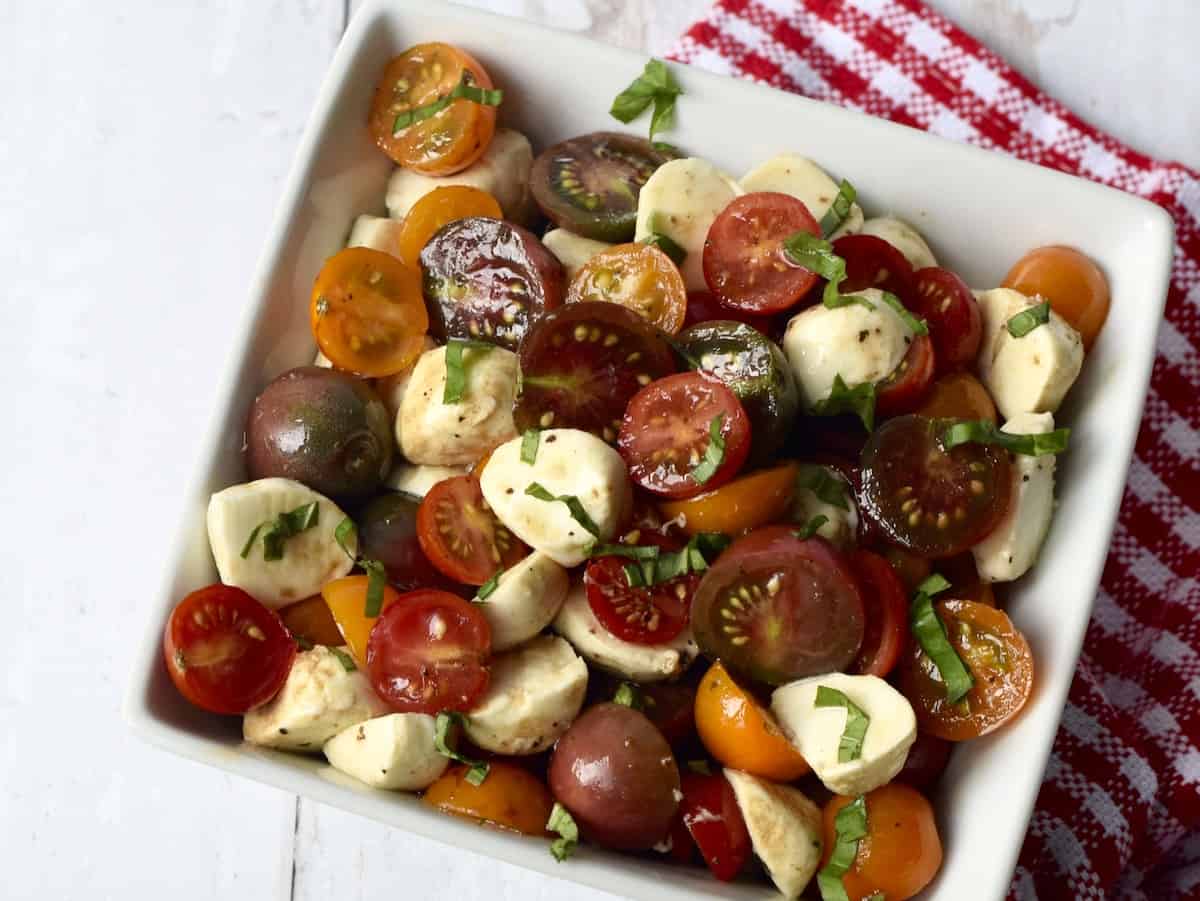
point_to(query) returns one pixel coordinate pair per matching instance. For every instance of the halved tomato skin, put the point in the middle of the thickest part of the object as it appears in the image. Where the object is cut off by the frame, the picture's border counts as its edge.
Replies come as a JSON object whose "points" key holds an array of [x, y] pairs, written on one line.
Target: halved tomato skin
{"points": [[638, 276], [886, 629], [1071, 281], [949, 308], [908, 384], [712, 816], [872, 262], [641, 615], [461, 536], [755, 499]]}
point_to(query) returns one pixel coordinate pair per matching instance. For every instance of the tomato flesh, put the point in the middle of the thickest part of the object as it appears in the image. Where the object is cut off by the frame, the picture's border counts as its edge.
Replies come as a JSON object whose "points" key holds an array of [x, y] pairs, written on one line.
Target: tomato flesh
{"points": [[711, 814], [745, 503], [225, 651], [643, 615], [949, 308], [886, 601], [703, 306], [872, 262], [461, 535], [1071, 281], [907, 385], [638, 276], [439, 207]]}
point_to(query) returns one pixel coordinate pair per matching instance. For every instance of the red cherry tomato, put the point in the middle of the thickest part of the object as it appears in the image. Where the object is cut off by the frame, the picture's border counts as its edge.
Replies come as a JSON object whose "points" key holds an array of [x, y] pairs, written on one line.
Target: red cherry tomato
{"points": [[872, 262], [427, 653], [225, 651], [666, 435], [945, 302], [886, 605], [744, 262], [461, 535], [643, 615], [682, 849], [908, 384], [703, 306], [711, 815]]}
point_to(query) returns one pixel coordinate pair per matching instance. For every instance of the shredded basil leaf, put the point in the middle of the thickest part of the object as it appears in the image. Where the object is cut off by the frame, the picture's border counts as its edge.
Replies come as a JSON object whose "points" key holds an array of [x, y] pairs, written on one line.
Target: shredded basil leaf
{"points": [[828, 488], [446, 747], [628, 695], [277, 531], [700, 767], [464, 90], [654, 566], [930, 633], [344, 659], [634, 576], [714, 454], [303, 643], [667, 246], [250, 541], [810, 528], [816, 255], [915, 325], [935, 583], [579, 514], [655, 85], [563, 823], [632, 551], [851, 744], [839, 209], [488, 587], [529, 446], [983, 431], [859, 400], [376, 581], [345, 531], [456, 369], [850, 825], [664, 147], [1028, 319]]}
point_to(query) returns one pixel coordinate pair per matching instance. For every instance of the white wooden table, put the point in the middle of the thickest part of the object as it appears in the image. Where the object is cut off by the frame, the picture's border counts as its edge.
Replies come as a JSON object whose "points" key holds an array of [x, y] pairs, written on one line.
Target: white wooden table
{"points": [[141, 154]]}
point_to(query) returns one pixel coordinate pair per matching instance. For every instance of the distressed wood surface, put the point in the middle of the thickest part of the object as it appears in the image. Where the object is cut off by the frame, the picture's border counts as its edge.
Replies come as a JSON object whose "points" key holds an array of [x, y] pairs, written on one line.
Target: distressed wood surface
{"points": [[143, 149]]}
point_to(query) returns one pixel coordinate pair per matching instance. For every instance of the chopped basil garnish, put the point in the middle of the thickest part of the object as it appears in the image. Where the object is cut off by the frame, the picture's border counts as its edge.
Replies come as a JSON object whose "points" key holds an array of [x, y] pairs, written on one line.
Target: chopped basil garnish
{"points": [[714, 454], [655, 85], [828, 489], [1028, 319], [464, 90], [930, 634], [850, 825], [700, 767], [529, 445], [985, 432], [344, 659], [634, 576], [278, 530], [632, 551], [629, 695], [486, 589], [839, 209], [816, 254], [456, 370], [851, 745], [376, 581], [810, 528], [915, 325], [667, 246], [579, 514], [303, 643], [859, 400], [563, 823], [654, 566], [344, 532], [441, 741]]}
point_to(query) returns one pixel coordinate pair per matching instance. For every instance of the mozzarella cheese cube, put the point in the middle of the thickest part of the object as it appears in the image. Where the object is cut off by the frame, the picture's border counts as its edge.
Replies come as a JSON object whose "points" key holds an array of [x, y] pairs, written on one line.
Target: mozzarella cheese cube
{"points": [[791, 173], [323, 361], [903, 237], [569, 462], [1011, 548], [525, 600], [637, 662], [681, 200], [861, 345], [310, 558], [817, 731], [377, 233], [417, 479], [534, 694], [441, 434], [502, 171], [1030, 374], [571, 249], [391, 388], [318, 700], [394, 752], [841, 522], [785, 829]]}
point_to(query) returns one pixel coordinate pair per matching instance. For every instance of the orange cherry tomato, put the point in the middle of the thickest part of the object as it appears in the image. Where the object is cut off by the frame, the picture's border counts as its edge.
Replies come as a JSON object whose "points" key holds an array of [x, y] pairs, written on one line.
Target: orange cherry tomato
{"points": [[368, 313], [740, 732], [901, 852], [958, 395], [451, 139], [738, 506], [638, 276], [1071, 281], [510, 798], [996, 654], [310, 620], [437, 208], [347, 601]]}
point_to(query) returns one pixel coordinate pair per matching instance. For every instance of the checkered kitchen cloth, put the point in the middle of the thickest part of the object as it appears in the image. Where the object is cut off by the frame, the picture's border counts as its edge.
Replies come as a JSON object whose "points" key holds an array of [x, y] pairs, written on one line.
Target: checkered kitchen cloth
{"points": [[1118, 815]]}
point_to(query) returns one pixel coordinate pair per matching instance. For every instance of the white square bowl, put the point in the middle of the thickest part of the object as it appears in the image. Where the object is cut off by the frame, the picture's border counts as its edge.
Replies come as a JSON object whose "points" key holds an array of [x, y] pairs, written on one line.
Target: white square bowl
{"points": [[979, 211]]}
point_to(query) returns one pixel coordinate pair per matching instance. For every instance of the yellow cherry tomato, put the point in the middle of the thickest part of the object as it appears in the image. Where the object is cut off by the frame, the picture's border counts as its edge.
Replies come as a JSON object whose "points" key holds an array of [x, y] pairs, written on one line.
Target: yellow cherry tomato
{"points": [[1071, 281], [311, 621], [738, 506], [958, 395], [510, 798], [347, 600], [437, 208], [638, 276]]}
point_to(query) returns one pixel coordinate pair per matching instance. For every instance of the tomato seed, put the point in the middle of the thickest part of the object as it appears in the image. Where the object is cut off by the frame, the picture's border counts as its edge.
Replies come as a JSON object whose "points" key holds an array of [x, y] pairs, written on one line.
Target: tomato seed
{"points": [[976, 486]]}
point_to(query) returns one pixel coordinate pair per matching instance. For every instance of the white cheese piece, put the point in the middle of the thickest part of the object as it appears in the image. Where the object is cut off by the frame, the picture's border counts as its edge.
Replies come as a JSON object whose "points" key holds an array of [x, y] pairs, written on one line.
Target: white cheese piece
{"points": [[391, 388], [841, 523], [394, 752], [637, 662], [569, 462], [323, 361], [791, 173], [681, 200], [310, 558], [318, 700], [377, 233], [534, 694], [785, 829], [859, 344], [441, 434], [417, 479], [525, 600], [1030, 374], [903, 237], [1012, 547], [571, 249], [817, 731], [502, 171]]}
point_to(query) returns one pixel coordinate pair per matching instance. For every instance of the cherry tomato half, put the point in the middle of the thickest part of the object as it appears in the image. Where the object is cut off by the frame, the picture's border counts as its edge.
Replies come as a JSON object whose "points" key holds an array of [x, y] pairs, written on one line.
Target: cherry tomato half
{"points": [[703, 306], [461, 535], [872, 262], [743, 504], [225, 651], [427, 653], [1071, 281], [310, 620], [744, 262], [906, 386], [510, 798], [947, 305], [642, 615], [958, 395], [711, 814], [367, 312], [886, 601], [346, 599], [437, 208], [638, 276]]}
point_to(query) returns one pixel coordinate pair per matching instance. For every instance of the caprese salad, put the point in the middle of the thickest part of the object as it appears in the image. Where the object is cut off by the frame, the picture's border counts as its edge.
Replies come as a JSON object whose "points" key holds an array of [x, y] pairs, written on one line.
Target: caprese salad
{"points": [[635, 504]]}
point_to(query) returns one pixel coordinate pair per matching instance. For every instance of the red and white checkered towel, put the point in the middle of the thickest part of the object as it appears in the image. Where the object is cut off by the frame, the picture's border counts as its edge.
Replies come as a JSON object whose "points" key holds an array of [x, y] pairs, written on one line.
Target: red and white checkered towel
{"points": [[1118, 815]]}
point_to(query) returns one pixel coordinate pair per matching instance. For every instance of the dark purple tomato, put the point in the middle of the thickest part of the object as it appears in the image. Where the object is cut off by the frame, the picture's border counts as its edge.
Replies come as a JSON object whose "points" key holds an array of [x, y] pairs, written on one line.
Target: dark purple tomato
{"points": [[387, 531]]}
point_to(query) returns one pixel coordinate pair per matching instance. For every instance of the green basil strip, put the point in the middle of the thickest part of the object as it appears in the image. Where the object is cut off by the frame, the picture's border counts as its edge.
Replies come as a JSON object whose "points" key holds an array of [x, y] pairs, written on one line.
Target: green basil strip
{"points": [[529, 445], [930, 634], [810, 528], [563, 823], [303, 643], [634, 576], [656, 85], [376, 581], [464, 90], [628, 695], [699, 767], [828, 489], [859, 400], [344, 532], [456, 371], [441, 741], [277, 531], [876, 896], [632, 551], [984, 432], [915, 325], [250, 541], [851, 745], [579, 514], [344, 659], [839, 209], [1028, 319], [667, 246], [488, 587], [850, 825], [714, 454]]}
